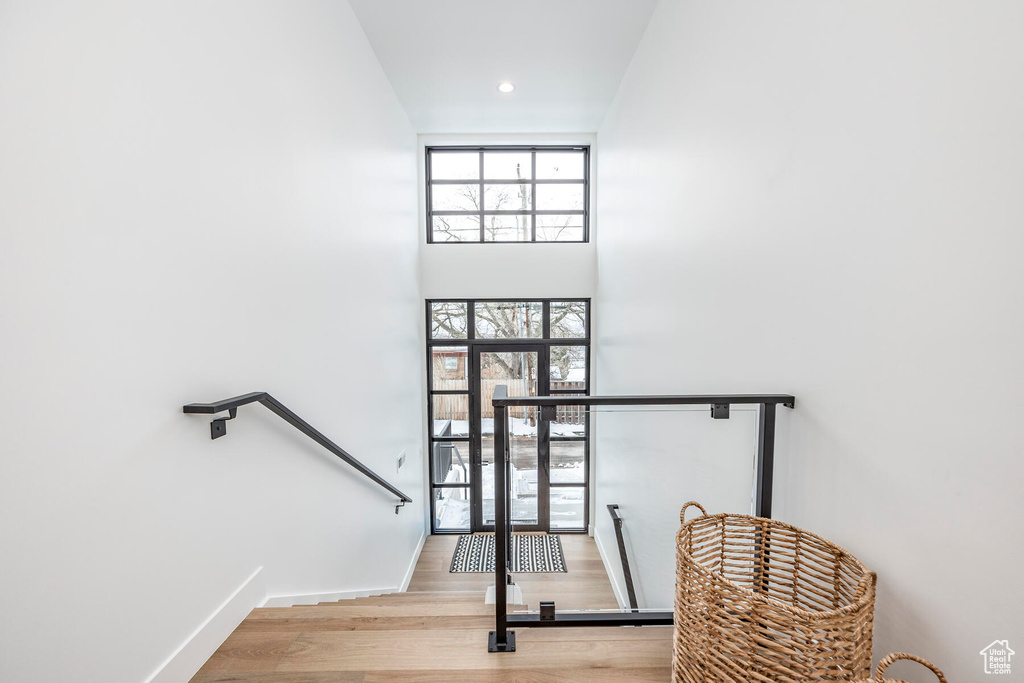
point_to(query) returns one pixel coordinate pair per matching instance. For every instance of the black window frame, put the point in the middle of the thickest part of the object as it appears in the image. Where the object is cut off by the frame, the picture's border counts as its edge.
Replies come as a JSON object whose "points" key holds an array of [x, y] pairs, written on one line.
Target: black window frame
{"points": [[471, 342], [533, 181]]}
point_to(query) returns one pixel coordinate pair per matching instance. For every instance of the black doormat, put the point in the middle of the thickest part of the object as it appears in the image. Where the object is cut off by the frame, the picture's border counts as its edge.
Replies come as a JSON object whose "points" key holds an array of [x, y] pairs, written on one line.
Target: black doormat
{"points": [[531, 553]]}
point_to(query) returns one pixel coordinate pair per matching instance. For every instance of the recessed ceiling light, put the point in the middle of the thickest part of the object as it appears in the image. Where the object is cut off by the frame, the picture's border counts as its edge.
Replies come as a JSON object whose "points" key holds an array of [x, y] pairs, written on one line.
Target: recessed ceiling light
{"points": [[505, 86]]}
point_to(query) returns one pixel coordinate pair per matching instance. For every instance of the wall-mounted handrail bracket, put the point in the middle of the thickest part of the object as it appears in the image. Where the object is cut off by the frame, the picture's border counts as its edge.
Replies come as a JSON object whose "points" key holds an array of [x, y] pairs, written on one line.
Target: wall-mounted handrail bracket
{"points": [[219, 425], [218, 428], [720, 411]]}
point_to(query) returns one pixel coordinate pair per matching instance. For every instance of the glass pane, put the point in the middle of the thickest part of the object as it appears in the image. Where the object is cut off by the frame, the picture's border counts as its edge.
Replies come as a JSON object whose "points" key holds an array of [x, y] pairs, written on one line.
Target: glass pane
{"points": [[507, 166], [567, 507], [450, 462], [560, 197], [450, 368], [451, 509], [454, 165], [515, 228], [568, 319], [455, 197], [456, 228], [508, 197], [517, 370], [569, 420], [523, 448], [509, 320], [560, 165], [555, 228], [451, 415], [448, 319], [653, 458], [567, 459], [568, 367]]}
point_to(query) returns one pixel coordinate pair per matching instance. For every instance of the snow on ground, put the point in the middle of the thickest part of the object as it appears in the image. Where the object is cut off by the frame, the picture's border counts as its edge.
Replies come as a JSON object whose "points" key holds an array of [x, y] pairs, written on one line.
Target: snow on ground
{"points": [[566, 503], [520, 427]]}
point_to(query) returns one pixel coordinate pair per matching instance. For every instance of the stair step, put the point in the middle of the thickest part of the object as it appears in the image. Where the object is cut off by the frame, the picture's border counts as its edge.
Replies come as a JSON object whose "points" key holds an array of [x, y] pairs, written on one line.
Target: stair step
{"points": [[461, 597], [344, 621], [352, 609]]}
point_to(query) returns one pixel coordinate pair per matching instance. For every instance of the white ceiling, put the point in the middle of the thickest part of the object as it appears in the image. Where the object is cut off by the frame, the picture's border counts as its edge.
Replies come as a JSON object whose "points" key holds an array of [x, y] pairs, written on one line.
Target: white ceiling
{"points": [[445, 59]]}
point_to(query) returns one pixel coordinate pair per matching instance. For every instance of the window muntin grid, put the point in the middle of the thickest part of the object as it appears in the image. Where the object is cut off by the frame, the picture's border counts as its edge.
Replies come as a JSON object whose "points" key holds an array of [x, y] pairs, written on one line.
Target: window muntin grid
{"points": [[507, 194]]}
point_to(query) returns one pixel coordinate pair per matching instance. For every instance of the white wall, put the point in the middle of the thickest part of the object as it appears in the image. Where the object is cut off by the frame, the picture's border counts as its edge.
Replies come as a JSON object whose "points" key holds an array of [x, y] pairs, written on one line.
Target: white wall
{"points": [[197, 200], [824, 199]]}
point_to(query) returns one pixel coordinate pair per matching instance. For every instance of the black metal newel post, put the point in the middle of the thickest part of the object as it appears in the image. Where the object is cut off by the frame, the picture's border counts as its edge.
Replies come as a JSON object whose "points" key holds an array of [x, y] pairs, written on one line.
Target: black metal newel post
{"points": [[763, 498], [765, 460], [501, 639]]}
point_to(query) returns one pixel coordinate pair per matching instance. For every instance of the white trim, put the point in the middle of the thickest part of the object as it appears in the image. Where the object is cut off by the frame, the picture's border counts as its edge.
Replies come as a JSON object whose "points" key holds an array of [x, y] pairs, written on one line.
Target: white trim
{"points": [[190, 656], [623, 604], [412, 563], [314, 598]]}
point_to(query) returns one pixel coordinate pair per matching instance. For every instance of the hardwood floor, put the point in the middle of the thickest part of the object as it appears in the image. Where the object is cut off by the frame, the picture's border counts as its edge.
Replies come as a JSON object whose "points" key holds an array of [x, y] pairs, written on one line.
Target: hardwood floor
{"points": [[437, 633], [584, 586]]}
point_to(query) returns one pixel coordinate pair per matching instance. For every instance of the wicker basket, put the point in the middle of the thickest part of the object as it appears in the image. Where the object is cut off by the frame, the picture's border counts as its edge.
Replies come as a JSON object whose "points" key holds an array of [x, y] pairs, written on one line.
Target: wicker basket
{"points": [[759, 600], [889, 659]]}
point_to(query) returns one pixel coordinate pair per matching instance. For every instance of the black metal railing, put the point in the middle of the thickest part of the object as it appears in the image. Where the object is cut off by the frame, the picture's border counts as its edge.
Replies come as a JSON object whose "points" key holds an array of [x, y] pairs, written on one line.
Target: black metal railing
{"points": [[443, 453], [501, 639], [218, 428], [627, 576]]}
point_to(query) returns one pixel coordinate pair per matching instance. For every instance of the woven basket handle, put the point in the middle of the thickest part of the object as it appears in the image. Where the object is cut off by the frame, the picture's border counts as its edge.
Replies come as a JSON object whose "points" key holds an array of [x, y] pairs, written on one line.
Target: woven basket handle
{"points": [[889, 659], [692, 503]]}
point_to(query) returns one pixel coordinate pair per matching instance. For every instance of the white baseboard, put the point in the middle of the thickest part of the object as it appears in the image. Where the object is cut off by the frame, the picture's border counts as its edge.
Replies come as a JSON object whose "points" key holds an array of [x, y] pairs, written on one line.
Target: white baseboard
{"points": [[623, 603], [314, 598], [204, 641], [413, 562], [184, 662]]}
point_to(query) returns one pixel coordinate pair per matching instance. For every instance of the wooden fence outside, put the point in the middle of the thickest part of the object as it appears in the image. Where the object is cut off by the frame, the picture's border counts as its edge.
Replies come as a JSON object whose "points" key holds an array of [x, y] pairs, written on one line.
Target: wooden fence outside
{"points": [[456, 407]]}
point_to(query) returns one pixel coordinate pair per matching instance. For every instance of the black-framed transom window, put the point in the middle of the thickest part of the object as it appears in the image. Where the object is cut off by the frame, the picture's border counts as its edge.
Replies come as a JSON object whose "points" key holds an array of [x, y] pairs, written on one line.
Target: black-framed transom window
{"points": [[508, 194]]}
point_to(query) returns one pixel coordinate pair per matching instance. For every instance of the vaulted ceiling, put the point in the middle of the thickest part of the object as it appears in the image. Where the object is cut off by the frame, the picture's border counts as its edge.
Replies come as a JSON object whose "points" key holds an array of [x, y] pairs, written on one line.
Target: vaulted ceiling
{"points": [[445, 59]]}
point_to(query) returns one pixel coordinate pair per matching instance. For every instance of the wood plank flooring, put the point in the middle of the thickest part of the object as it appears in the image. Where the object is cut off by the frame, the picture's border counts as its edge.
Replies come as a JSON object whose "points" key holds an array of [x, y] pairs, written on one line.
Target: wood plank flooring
{"points": [[584, 586], [437, 633]]}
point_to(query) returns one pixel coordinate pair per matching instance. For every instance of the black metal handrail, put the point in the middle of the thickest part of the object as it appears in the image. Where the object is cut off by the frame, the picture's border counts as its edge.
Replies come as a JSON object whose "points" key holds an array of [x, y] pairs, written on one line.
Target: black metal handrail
{"points": [[501, 639], [703, 399], [626, 574], [218, 428]]}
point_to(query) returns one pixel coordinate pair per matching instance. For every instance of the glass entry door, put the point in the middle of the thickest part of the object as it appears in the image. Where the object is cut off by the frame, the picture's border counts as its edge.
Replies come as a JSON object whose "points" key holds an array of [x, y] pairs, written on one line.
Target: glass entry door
{"points": [[535, 347], [523, 369]]}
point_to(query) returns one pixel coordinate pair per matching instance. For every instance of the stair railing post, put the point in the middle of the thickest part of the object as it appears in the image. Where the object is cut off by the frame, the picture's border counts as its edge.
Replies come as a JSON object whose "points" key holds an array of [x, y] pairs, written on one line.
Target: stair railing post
{"points": [[765, 460], [763, 495], [501, 639]]}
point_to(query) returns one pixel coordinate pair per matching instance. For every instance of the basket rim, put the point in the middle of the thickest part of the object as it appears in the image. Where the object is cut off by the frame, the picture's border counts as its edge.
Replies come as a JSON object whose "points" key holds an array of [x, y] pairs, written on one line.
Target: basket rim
{"points": [[869, 580]]}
